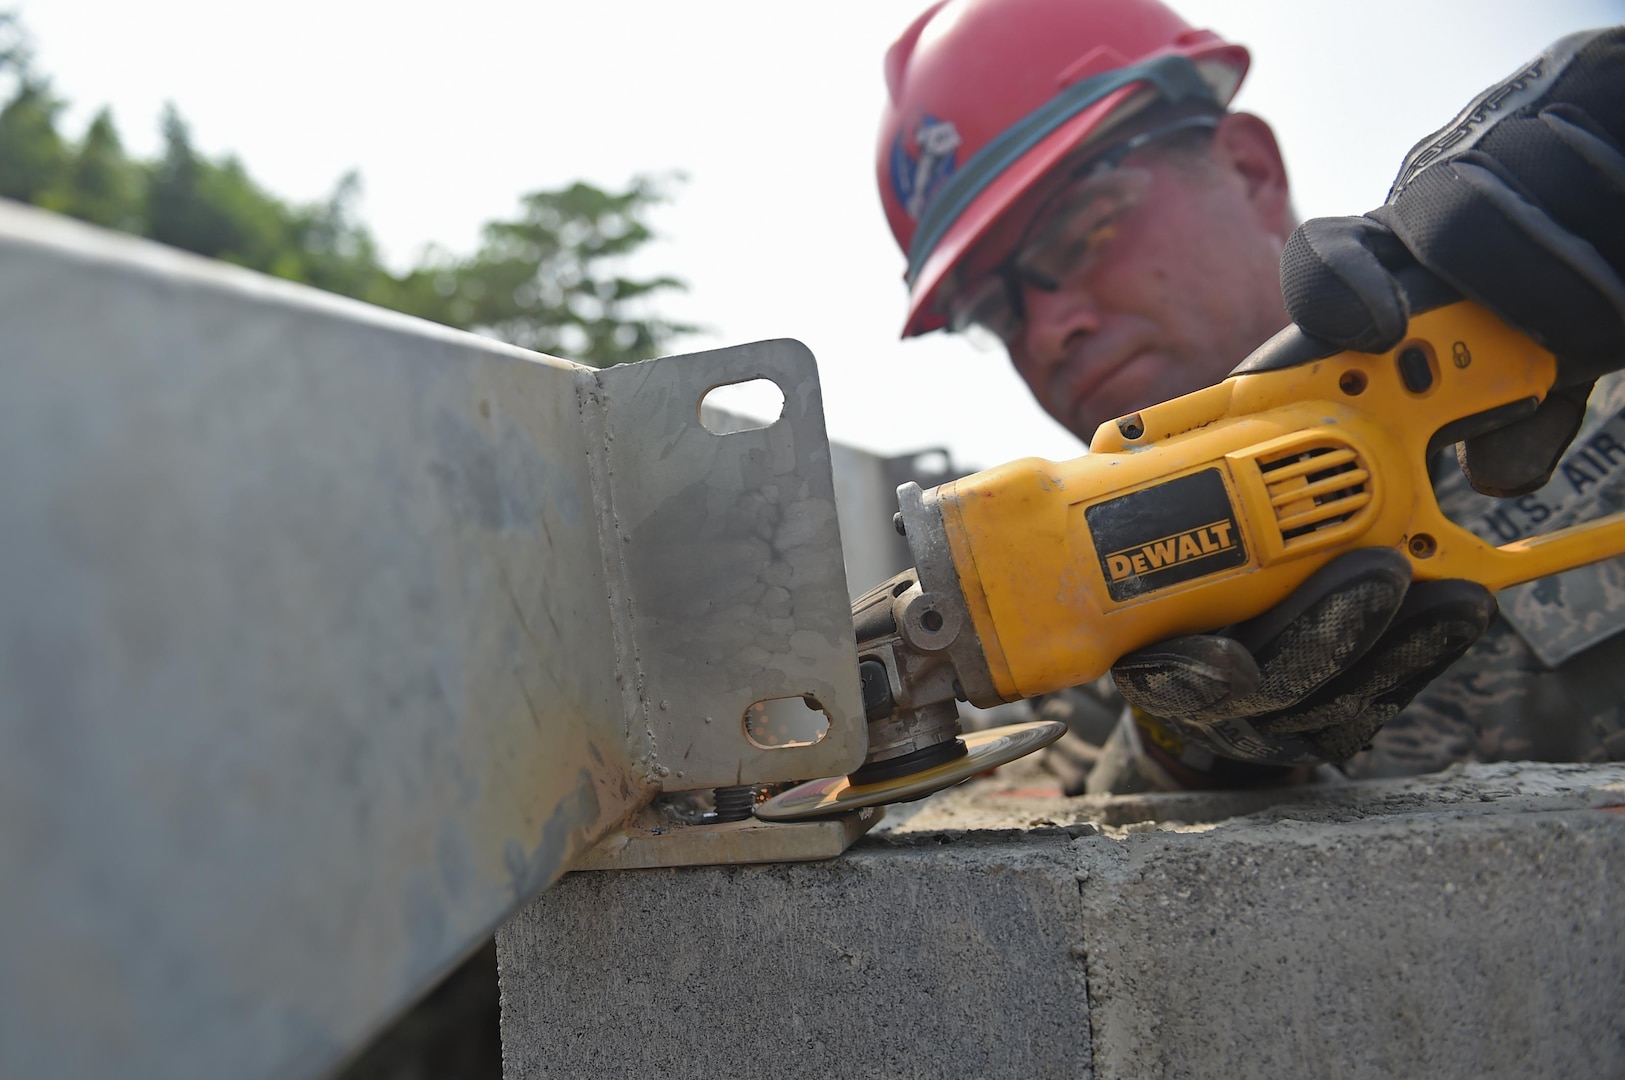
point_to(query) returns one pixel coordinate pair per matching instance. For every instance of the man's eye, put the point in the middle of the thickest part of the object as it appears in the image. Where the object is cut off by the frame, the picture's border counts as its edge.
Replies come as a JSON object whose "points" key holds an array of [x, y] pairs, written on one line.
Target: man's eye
{"points": [[1069, 252], [1074, 248], [1100, 235]]}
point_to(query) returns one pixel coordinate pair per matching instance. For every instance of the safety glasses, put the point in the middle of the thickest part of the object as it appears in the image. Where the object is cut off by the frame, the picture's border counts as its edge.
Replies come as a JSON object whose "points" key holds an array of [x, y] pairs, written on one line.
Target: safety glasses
{"points": [[1064, 240]]}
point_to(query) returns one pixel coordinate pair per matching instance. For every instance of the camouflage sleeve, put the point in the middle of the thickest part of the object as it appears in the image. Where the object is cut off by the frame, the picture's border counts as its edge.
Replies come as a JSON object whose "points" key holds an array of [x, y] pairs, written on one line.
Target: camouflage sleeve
{"points": [[1546, 681], [1501, 703]]}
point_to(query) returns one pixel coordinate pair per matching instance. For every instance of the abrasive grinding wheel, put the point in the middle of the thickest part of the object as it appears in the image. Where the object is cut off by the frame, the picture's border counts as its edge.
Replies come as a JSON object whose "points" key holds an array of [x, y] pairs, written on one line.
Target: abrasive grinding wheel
{"points": [[983, 750]]}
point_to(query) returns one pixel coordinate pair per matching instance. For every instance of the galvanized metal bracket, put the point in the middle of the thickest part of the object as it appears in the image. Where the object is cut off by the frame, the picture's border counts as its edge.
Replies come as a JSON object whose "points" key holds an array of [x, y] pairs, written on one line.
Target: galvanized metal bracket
{"points": [[728, 586]]}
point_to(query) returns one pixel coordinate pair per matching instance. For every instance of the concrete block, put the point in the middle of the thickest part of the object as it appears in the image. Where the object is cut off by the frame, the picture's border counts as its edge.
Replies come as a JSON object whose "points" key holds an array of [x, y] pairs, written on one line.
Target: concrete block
{"points": [[1470, 924]]}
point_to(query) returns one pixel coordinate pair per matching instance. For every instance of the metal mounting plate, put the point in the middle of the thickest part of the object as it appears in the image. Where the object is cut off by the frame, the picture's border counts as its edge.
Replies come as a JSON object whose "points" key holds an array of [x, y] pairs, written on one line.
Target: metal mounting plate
{"points": [[731, 555], [647, 845]]}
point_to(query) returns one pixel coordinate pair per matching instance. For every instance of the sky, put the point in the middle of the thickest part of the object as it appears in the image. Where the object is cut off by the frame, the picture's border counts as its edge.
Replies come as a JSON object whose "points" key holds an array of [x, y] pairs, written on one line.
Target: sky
{"points": [[452, 111]]}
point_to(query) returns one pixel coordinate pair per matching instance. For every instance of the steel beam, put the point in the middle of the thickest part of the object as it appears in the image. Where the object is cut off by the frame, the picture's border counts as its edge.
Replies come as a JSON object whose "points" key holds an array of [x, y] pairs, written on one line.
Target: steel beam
{"points": [[329, 636]]}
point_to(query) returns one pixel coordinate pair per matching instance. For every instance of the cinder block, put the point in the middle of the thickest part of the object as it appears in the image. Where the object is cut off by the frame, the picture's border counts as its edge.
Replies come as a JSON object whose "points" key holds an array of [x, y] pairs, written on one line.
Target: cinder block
{"points": [[1465, 925]]}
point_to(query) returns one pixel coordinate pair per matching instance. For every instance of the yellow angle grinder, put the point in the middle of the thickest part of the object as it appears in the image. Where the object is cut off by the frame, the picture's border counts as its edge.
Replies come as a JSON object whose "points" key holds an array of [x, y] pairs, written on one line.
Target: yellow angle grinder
{"points": [[1189, 516]]}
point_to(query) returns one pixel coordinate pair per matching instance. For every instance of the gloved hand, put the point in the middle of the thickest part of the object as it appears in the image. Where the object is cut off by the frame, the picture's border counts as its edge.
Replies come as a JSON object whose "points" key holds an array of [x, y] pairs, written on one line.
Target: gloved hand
{"points": [[1311, 680], [1519, 204]]}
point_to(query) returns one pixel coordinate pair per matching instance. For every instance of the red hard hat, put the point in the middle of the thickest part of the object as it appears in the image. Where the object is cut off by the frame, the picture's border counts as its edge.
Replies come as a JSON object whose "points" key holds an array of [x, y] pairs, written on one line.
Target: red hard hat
{"points": [[988, 95]]}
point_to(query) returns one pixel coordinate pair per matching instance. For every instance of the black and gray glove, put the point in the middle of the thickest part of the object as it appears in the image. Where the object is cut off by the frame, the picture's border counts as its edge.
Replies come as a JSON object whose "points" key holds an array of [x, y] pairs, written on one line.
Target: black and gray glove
{"points": [[1312, 679], [1519, 204]]}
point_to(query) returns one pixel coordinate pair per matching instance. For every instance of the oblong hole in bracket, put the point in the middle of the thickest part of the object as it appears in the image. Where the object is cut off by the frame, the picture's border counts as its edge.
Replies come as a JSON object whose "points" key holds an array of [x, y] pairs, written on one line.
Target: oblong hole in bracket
{"points": [[741, 406], [778, 723]]}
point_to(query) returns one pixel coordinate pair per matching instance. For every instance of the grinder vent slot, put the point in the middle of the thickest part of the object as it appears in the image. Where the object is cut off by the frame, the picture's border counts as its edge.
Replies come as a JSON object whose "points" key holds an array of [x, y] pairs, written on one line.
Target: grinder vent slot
{"points": [[1313, 488]]}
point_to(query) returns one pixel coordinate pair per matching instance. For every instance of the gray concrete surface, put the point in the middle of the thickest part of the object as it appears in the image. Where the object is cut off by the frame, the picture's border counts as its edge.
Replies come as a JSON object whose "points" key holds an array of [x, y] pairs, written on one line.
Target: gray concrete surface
{"points": [[1470, 924]]}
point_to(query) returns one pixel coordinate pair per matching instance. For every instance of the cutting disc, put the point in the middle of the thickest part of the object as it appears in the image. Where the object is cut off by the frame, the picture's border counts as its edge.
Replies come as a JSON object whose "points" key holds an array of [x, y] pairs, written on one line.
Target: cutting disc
{"points": [[983, 751]]}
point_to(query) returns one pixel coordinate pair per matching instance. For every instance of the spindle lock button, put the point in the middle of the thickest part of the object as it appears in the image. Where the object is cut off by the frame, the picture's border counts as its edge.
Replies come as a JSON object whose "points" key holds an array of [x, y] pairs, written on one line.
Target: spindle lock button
{"points": [[1415, 371]]}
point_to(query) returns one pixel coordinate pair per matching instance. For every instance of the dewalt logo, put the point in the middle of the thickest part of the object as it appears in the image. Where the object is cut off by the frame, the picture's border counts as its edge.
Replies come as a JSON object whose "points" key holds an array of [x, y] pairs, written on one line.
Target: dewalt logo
{"points": [[1214, 538], [1165, 534]]}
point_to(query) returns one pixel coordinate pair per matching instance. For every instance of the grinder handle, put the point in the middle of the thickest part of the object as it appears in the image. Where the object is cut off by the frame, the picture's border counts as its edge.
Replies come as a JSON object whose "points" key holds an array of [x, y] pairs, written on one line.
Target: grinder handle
{"points": [[1524, 560]]}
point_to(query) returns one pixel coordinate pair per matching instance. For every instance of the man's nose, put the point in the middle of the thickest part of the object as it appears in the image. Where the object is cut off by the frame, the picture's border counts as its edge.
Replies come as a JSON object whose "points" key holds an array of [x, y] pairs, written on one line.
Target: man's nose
{"points": [[1055, 318]]}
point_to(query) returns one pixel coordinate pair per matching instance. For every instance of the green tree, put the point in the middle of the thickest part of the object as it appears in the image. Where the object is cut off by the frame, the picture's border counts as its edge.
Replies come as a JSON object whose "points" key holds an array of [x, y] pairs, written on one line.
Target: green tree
{"points": [[103, 186], [214, 209], [33, 159], [553, 279], [331, 249]]}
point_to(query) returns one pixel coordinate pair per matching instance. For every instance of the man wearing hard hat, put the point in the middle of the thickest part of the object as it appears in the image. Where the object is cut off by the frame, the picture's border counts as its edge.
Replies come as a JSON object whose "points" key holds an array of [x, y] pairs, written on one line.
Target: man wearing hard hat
{"points": [[1065, 176]]}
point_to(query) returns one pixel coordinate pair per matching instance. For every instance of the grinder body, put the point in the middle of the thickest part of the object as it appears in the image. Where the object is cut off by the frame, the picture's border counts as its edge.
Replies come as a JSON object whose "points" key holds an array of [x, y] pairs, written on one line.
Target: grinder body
{"points": [[1187, 517], [1212, 508]]}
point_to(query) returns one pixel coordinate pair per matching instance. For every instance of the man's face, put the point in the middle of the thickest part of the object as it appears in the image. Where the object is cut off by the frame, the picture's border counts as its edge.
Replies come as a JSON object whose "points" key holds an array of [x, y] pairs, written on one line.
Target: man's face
{"points": [[1184, 286]]}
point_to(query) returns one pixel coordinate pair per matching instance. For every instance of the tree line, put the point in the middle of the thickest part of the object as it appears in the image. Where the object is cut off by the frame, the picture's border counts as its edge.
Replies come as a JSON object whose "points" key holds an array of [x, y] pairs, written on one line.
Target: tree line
{"points": [[549, 279]]}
